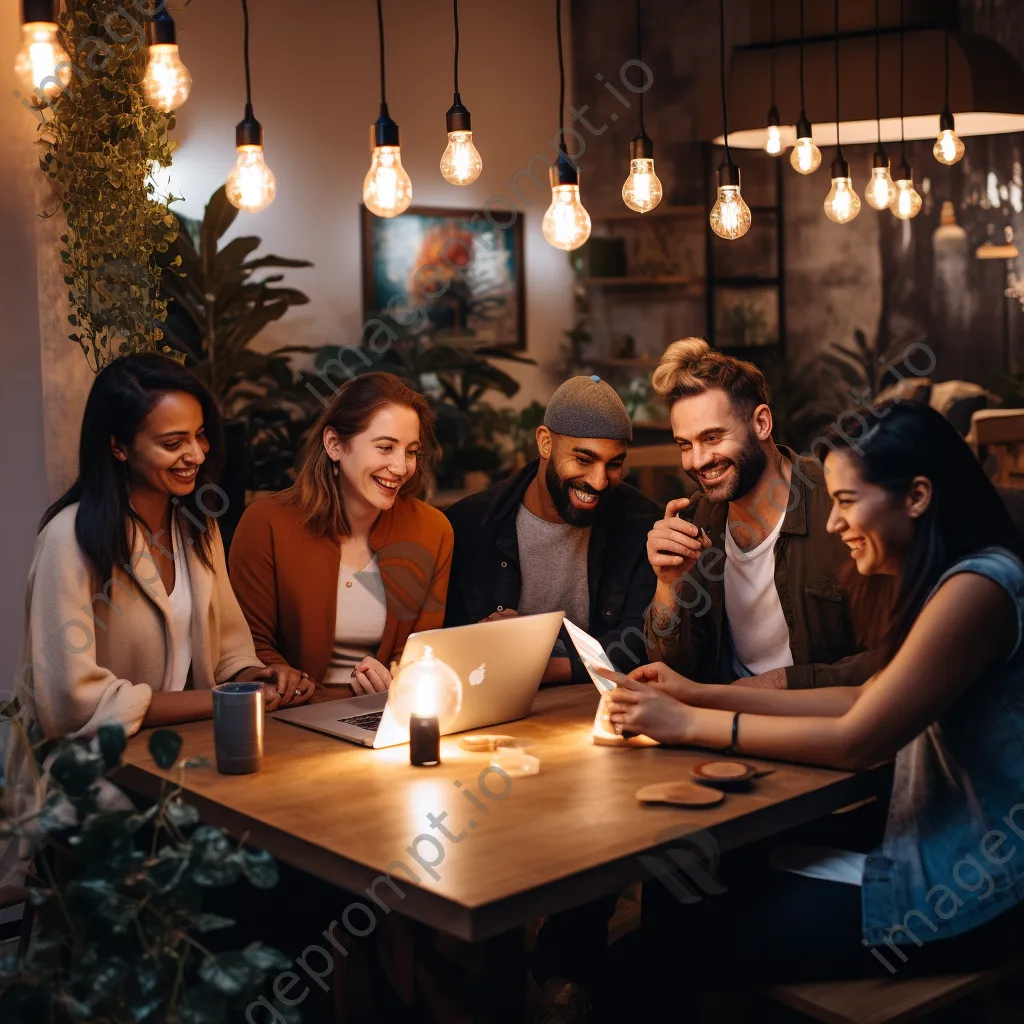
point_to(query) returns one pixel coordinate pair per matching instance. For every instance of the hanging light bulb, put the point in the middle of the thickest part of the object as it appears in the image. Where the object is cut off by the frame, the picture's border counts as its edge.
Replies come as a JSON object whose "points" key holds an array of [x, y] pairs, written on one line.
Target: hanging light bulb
{"points": [[167, 82], [949, 147], [42, 64], [773, 140], [460, 161], [251, 185], [907, 203], [805, 156], [387, 188], [730, 216], [880, 192], [566, 224], [642, 190], [842, 203]]}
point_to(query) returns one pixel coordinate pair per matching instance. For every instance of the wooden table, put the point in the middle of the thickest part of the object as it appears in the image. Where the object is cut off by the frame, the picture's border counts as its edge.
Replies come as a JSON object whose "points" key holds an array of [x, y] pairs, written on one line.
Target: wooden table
{"points": [[575, 831]]}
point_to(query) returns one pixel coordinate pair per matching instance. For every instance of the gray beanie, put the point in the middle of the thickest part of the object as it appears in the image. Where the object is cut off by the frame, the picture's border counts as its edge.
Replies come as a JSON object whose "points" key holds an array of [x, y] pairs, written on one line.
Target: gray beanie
{"points": [[588, 407]]}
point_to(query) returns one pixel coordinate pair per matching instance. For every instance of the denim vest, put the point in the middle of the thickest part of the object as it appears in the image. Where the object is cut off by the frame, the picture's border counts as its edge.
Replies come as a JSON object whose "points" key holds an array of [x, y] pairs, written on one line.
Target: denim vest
{"points": [[953, 853]]}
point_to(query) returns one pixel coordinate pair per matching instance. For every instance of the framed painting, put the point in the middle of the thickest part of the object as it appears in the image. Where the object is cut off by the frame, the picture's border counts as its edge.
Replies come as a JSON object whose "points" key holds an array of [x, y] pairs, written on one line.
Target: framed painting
{"points": [[451, 267]]}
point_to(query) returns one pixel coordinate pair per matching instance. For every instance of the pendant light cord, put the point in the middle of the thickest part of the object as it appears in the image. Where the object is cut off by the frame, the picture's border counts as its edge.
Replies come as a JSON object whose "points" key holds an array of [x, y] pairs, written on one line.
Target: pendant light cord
{"points": [[903, 140], [561, 81], [456, 6], [640, 61], [380, 36], [839, 145], [947, 58], [721, 76], [803, 105], [245, 54], [878, 75], [773, 52]]}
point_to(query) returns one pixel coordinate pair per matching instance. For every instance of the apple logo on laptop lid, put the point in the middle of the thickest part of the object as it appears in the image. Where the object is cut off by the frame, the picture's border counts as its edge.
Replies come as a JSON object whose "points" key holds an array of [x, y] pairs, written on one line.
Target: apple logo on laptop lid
{"points": [[476, 677]]}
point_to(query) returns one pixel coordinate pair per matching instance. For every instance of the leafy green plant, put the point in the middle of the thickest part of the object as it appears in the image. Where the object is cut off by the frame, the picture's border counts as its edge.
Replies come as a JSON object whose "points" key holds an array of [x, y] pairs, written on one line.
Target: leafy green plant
{"points": [[124, 934], [100, 136], [220, 302]]}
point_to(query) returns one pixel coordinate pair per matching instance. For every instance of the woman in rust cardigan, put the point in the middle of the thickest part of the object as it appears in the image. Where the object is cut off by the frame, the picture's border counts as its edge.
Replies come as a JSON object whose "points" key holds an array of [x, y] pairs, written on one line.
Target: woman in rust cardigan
{"points": [[335, 572]]}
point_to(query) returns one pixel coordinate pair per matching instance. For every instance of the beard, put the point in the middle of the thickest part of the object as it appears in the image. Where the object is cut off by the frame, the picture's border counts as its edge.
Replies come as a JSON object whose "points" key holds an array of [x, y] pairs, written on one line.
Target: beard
{"points": [[559, 491], [749, 466]]}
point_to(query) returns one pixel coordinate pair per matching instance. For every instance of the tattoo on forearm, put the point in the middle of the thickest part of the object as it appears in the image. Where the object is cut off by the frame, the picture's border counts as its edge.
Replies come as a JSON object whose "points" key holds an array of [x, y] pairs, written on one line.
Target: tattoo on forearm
{"points": [[662, 629]]}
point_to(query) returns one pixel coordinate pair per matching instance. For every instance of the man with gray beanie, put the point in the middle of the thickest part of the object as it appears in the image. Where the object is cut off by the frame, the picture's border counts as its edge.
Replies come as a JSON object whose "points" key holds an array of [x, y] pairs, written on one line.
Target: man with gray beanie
{"points": [[564, 534]]}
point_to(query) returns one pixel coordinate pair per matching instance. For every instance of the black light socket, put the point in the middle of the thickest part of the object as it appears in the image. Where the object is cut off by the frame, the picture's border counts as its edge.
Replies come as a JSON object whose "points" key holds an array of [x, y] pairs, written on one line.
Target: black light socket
{"points": [[946, 119], [803, 127], [880, 159], [424, 741], [728, 174], [160, 29], [457, 119], [37, 10], [249, 132], [564, 172], [384, 131], [641, 147], [840, 168], [903, 172], [773, 117]]}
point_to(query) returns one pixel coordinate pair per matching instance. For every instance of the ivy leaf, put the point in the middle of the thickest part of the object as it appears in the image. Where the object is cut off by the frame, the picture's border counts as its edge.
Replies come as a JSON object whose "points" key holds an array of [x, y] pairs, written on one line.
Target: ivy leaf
{"points": [[266, 958], [212, 922], [165, 746], [228, 973], [260, 868], [181, 814]]}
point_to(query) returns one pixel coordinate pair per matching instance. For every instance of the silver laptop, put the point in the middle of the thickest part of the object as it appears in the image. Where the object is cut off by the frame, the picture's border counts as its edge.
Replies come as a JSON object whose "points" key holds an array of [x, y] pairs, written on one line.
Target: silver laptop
{"points": [[500, 664]]}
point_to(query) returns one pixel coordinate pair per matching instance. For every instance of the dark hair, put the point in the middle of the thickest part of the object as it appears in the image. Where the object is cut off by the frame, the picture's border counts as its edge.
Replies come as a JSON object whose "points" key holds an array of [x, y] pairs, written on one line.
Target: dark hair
{"points": [[690, 367], [122, 396], [911, 440], [315, 492]]}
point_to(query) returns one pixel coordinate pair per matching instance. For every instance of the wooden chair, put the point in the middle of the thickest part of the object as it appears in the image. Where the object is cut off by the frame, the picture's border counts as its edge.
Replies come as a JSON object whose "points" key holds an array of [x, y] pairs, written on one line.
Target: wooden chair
{"points": [[654, 461], [1000, 433], [891, 1000]]}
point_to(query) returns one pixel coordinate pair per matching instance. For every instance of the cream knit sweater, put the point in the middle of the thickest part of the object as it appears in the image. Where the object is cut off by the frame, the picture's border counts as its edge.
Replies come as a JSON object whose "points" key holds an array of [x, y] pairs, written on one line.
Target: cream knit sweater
{"points": [[95, 651]]}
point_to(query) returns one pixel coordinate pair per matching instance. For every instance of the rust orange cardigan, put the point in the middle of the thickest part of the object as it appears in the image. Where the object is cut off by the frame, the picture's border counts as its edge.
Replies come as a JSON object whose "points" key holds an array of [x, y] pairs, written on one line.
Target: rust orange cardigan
{"points": [[286, 579]]}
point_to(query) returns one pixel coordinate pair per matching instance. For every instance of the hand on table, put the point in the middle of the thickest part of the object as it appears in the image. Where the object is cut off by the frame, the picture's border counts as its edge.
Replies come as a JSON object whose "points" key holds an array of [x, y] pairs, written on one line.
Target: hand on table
{"points": [[674, 545], [636, 707], [369, 676], [283, 686]]}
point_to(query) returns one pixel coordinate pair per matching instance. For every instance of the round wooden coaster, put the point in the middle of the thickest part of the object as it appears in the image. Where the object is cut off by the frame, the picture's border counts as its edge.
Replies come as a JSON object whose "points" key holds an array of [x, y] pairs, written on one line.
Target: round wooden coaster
{"points": [[485, 743], [724, 773], [681, 794]]}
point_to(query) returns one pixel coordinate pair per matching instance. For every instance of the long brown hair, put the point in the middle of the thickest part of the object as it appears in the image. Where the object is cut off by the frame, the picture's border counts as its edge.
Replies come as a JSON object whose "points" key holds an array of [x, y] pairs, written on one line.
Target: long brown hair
{"points": [[316, 493]]}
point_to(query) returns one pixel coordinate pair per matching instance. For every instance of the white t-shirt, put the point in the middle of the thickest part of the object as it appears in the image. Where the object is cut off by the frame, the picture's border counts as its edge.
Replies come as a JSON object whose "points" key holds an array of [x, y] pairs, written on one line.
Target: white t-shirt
{"points": [[760, 637], [179, 623], [359, 619]]}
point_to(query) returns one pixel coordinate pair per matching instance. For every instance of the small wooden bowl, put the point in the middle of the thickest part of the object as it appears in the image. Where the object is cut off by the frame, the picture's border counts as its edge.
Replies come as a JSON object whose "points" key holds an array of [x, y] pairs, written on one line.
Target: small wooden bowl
{"points": [[679, 794], [723, 774]]}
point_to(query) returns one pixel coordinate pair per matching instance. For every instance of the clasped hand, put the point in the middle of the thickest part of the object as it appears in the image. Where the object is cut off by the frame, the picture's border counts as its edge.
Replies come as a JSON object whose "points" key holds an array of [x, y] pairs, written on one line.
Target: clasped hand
{"points": [[653, 701]]}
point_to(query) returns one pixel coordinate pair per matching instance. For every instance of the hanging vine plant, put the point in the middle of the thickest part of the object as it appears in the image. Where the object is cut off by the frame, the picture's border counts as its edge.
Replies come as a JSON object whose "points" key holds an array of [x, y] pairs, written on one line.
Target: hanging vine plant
{"points": [[101, 138]]}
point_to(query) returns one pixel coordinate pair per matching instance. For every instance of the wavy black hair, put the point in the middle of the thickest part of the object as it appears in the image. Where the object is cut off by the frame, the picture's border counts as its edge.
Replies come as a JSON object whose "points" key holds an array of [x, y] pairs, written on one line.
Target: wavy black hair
{"points": [[122, 396], [966, 514]]}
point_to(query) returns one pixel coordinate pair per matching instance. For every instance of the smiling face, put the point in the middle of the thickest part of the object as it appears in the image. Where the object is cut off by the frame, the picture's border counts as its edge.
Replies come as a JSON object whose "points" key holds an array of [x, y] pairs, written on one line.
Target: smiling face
{"points": [[876, 526], [375, 463], [723, 452], [168, 448], [578, 471]]}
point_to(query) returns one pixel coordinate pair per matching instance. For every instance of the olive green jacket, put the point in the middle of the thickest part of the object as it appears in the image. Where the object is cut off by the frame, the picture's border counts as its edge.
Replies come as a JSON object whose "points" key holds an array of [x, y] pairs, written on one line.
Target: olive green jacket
{"points": [[693, 637]]}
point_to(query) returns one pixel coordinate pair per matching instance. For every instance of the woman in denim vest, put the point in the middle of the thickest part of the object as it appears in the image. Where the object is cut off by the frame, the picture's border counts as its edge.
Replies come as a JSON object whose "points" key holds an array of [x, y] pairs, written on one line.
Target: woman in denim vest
{"points": [[937, 892]]}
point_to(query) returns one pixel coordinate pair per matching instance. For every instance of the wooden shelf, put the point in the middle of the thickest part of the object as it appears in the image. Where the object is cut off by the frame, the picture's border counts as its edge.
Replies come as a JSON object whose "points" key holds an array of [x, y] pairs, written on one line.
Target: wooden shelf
{"points": [[670, 281]]}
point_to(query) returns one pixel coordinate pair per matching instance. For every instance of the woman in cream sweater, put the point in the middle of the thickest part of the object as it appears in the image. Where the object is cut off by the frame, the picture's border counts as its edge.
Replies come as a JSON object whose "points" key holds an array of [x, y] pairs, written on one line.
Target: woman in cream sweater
{"points": [[130, 616]]}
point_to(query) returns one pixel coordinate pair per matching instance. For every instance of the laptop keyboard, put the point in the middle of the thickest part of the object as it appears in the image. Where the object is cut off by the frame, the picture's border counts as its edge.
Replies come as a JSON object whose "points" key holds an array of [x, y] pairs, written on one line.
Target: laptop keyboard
{"points": [[369, 722]]}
